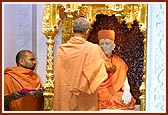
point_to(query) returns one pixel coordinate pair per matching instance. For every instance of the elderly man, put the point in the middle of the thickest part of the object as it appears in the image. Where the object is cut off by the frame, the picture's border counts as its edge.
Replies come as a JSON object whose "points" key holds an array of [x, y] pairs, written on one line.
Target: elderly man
{"points": [[20, 79], [80, 69], [114, 93]]}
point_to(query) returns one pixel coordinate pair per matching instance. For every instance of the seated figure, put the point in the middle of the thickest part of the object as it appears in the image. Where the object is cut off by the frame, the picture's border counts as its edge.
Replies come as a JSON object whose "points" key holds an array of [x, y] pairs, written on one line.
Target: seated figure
{"points": [[114, 92]]}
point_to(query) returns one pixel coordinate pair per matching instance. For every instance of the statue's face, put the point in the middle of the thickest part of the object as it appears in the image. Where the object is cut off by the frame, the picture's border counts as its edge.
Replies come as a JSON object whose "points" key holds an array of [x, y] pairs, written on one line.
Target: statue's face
{"points": [[107, 45]]}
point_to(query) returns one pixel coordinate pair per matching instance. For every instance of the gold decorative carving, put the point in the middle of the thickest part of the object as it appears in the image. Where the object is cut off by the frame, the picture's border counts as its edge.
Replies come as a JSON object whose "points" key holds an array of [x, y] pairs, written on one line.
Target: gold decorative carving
{"points": [[127, 12], [143, 86], [51, 21], [143, 19], [67, 13]]}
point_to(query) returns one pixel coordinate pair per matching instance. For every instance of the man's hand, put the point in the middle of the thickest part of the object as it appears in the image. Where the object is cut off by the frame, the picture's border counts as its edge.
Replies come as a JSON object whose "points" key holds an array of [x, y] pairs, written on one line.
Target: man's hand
{"points": [[75, 91], [126, 97], [12, 96], [16, 95]]}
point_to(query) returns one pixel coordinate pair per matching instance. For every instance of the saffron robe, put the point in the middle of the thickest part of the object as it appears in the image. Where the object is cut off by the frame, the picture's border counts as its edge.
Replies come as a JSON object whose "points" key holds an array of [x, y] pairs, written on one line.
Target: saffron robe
{"points": [[80, 69], [17, 78], [110, 92]]}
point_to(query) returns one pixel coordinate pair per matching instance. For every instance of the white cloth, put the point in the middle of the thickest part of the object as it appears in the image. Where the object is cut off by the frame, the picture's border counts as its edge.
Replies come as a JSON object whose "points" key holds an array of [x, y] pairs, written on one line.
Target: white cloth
{"points": [[126, 97]]}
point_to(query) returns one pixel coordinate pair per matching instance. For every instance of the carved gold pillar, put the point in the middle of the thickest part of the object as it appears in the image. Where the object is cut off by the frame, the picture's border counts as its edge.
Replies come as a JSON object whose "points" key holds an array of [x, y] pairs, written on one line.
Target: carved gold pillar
{"points": [[143, 21], [50, 30], [69, 16], [143, 86]]}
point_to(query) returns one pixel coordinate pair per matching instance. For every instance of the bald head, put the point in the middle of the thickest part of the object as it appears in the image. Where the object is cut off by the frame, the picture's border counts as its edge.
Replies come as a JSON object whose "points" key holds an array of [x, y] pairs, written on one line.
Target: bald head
{"points": [[21, 54], [26, 59]]}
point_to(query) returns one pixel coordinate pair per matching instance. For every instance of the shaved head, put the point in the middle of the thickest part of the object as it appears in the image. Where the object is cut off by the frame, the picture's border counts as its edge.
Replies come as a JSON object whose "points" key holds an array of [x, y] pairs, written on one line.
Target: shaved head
{"points": [[21, 54]]}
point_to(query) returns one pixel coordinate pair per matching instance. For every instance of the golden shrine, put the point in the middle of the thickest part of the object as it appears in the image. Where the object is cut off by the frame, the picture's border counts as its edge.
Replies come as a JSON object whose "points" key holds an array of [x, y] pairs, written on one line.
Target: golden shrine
{"points": [[64, 14]]}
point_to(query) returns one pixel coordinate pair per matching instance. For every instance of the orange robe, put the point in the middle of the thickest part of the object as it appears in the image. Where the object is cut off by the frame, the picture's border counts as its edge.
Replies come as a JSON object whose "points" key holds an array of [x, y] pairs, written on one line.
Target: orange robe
{"points": [[110, 92], [17, 78], [80, 67]]}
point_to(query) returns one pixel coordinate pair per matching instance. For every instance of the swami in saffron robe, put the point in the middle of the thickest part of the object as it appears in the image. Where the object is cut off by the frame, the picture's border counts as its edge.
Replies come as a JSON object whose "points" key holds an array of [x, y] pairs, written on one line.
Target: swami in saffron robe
{"points": [[80, 69], [110, 92], [17, 78]]}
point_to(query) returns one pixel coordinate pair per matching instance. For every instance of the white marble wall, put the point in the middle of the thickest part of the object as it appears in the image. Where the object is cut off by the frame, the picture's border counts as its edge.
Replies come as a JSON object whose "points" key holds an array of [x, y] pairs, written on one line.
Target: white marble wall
{"points": [[24, 26], [41, 45], [9, 35], [156, 58]]}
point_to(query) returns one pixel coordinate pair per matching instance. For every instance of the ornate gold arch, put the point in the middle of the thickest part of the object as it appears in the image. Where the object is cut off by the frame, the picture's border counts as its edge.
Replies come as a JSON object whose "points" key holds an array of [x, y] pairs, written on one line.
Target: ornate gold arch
{"points": [[53, 14]]}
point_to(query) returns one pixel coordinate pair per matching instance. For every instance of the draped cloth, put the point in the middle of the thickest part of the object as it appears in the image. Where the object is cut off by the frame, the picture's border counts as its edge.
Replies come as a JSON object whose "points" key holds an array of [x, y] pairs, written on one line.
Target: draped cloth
{"points": [[17, 78], [110, 92], [80, 69]]}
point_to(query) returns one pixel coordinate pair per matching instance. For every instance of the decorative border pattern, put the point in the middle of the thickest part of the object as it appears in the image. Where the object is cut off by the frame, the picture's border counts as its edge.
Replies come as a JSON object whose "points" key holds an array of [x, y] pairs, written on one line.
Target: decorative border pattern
{"points": [[156, 42]]}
